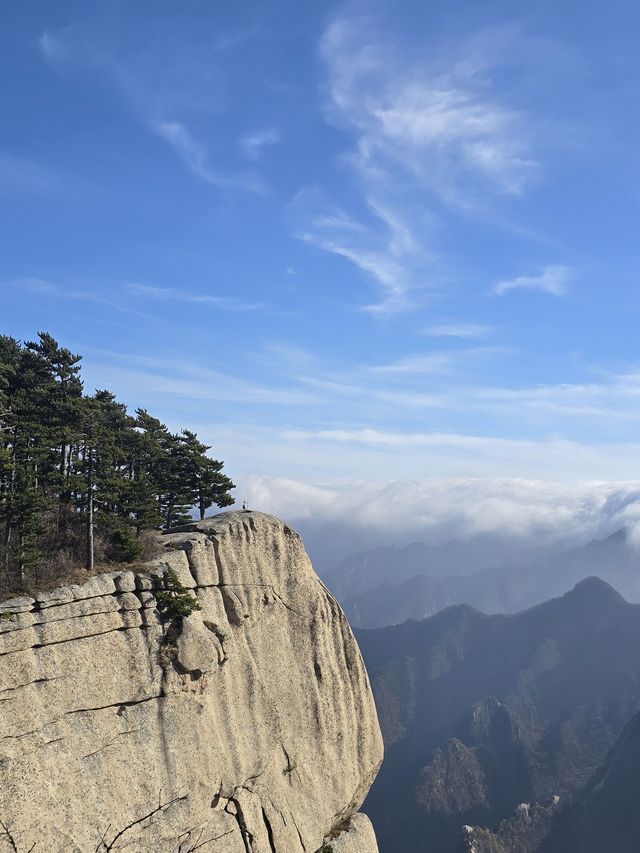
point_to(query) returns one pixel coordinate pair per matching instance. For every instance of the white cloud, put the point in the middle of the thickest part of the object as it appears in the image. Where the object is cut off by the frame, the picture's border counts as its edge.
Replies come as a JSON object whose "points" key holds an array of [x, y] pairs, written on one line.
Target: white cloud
{"points": [[437, 362], [158, 85], [196, 158], [458, 330], [190, 150], [20, 176], [35, 285], [377, 438], [253, 144], [441, 121], [380, 244], [423, 132], [82, 292], [53, 48], [174, 294], [440, 509], [180, 378], [553, 280], [418, 364]]}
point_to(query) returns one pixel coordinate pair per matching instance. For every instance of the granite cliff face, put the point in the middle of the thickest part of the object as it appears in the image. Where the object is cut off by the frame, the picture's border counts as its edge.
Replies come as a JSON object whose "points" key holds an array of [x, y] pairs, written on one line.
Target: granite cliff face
{"points": [[253, 730]]}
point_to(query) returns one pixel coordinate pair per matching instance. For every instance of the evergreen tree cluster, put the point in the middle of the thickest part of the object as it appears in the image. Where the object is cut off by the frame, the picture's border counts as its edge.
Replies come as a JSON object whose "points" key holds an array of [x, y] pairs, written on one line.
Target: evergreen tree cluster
{"points": [[80, 478]]}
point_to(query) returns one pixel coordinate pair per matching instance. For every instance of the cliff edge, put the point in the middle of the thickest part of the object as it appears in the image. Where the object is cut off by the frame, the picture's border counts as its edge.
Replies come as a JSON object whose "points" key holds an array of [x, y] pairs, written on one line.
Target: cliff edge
{"points": [[250, 728]]}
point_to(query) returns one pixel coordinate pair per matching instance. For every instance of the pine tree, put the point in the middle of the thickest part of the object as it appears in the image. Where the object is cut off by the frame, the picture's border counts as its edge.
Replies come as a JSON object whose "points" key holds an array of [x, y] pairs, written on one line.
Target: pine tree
{"points": [[72, 464], [208, 484], [60, 402]]}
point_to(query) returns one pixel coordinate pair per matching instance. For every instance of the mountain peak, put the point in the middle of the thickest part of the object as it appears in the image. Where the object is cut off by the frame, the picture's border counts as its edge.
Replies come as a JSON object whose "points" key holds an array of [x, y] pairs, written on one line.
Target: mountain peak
{"points": [[594, 589], [620, 537]]}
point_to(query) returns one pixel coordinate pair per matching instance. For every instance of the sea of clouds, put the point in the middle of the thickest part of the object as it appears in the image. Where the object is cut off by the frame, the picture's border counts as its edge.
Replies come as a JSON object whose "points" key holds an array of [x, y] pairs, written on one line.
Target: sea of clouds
{"points": [[553, 515]]}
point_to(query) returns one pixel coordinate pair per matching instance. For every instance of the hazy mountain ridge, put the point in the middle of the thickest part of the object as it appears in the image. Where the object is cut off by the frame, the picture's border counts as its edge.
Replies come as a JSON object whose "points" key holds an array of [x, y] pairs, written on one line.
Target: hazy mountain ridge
{"points": [[387, 586], [482, 713]]}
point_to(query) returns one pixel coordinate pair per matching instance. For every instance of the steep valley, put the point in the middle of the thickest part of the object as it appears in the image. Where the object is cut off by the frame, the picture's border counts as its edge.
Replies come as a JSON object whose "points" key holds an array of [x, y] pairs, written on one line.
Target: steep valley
{"points": [[481, 714]]}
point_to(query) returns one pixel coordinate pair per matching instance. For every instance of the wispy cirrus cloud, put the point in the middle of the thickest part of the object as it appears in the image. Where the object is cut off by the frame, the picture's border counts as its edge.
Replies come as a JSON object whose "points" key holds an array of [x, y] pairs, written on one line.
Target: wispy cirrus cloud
{"points": [[441, 121], [379, 243], [21, 176], [436, 362], [120, 295], [458, 330], [82, 293], [417, 364], [174, 294], [424, 133], [35, 285], [161, 86], [196, 158], [380, 438], [253, 144], [553, 280]]}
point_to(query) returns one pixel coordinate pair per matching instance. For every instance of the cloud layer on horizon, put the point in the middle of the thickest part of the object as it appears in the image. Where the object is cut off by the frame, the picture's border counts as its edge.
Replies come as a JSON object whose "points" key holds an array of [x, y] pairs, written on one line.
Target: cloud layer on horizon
{"points": [[538, 513]]}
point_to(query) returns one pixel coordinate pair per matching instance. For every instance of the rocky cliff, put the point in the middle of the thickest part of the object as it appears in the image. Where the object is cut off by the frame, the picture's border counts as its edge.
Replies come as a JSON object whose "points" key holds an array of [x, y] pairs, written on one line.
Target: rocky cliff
{"points": [[248, 728]]}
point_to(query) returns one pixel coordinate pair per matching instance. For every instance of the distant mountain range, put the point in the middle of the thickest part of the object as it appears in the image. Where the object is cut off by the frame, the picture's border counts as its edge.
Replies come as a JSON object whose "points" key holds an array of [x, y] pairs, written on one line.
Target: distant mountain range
{"points": [[508, 725], [387, 586]]}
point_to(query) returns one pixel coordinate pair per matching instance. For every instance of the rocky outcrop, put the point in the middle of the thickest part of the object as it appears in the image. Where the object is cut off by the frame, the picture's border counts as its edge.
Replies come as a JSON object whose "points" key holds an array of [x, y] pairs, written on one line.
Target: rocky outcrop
{"points": [[247, 728]]}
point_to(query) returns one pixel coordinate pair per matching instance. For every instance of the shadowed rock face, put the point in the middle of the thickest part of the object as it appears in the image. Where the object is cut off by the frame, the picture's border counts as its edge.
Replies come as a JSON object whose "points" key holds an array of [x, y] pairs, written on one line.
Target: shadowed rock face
{"points": [[254, 724], [488, 718], [605, 815]]}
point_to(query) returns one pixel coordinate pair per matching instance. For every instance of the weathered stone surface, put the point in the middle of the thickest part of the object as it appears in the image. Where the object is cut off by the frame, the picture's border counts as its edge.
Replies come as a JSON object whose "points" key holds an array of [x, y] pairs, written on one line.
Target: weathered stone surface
{"points": [[125, 581], [95, 586], [197, 646], [250, 728], [200, 556], [57, 596], [17, 605], [359, 837]]}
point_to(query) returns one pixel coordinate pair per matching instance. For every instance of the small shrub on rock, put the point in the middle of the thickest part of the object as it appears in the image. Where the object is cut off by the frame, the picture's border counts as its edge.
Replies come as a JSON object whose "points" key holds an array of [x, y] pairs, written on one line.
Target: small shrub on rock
{"points": [[175, 601]]}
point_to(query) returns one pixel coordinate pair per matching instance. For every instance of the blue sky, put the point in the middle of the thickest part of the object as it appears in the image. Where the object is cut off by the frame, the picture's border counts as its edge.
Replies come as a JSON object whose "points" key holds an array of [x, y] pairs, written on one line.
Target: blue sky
{"points": [[344, 241]]}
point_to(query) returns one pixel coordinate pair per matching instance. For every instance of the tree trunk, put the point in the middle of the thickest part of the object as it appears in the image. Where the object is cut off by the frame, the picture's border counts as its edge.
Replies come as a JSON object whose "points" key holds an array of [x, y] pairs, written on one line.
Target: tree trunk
{"points": [[12, 492], [167, 522], [63, 464], [7, 544], [21, 567], [89, 564]]}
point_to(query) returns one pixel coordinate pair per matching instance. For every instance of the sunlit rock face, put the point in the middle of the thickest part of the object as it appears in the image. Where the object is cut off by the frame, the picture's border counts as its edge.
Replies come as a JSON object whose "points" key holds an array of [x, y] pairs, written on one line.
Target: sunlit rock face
{"points": [[251, 724]]}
